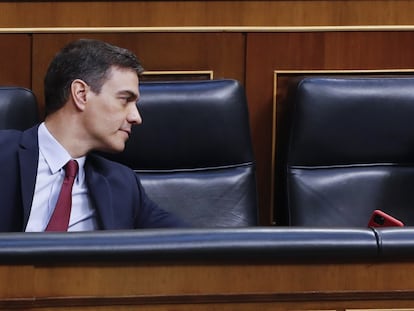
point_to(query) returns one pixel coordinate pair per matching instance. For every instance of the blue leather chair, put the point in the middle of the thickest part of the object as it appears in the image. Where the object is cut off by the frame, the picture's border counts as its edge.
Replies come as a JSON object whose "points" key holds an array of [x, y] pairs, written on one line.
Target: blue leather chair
{"points": [[351, 151], [193, 151], [18, 108]]}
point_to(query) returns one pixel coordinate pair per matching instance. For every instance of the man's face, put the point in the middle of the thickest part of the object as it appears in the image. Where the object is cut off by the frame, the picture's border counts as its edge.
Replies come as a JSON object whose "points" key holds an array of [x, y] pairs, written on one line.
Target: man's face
{"points": [[110, 114]]}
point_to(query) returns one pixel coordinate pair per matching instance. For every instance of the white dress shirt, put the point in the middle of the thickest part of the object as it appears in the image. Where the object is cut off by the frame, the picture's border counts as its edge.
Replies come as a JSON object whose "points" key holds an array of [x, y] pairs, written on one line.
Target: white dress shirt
{"points": [[50, 175]]}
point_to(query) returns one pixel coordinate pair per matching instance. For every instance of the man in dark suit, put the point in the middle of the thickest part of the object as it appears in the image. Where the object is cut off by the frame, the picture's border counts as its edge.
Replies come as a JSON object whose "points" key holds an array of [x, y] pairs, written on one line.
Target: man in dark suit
{"points": [[91, 90]]}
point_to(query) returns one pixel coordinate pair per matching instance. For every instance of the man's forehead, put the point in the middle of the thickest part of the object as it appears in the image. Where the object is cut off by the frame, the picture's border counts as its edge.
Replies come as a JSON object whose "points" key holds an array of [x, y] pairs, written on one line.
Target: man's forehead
{"points": [[123, 79]]}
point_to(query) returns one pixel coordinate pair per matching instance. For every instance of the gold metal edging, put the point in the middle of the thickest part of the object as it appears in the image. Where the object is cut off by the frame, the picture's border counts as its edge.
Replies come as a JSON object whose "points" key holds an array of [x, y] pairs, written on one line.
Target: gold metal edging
{"points": [[210, 73], [207, 29]]}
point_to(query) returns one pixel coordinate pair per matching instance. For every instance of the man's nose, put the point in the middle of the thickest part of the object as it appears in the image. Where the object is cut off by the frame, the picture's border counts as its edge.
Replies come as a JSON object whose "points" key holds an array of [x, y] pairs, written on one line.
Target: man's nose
{"points": [[134, 117]]}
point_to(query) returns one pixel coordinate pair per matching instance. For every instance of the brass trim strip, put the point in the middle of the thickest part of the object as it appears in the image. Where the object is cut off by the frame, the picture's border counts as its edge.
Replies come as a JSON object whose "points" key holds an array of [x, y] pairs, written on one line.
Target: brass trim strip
{"points": [[207, 29], [210, 73]]}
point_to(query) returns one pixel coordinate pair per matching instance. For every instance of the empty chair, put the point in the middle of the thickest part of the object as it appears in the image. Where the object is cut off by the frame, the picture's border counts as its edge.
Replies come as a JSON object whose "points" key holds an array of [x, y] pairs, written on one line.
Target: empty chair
{"points": [[193, 151], [18, 108], [351, 150]]}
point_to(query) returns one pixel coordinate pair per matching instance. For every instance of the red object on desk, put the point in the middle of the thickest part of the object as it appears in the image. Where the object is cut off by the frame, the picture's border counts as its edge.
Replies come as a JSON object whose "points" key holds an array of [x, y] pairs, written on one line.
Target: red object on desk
{"points": [[382, 219]]}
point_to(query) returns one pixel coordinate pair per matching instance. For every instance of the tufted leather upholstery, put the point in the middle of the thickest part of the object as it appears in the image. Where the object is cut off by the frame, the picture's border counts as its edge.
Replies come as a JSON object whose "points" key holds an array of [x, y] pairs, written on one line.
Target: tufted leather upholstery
{"points": [[18, 108], [351, 151], [193, 151]]}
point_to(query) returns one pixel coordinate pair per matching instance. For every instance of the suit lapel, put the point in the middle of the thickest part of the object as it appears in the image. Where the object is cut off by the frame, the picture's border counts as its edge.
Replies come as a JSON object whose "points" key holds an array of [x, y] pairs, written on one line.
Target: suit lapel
{"points": [[100, 194], [28, 159]]}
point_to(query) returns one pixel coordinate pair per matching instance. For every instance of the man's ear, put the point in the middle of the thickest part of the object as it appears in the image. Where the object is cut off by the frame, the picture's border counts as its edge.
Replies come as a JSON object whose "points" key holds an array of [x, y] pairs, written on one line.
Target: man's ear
{"points": [[79, 90]]}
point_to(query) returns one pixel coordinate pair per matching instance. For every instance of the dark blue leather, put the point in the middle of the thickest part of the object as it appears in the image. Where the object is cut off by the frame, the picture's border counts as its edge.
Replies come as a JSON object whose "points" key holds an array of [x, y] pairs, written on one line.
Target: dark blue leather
{"points": [[208, 244], [193, 151], [396, 243], [351, 151], [18, 108]]}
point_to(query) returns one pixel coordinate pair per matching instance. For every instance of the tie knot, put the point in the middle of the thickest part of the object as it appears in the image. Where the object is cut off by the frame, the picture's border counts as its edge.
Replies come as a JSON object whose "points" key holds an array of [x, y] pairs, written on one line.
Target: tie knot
{"points": [[71, 168]]}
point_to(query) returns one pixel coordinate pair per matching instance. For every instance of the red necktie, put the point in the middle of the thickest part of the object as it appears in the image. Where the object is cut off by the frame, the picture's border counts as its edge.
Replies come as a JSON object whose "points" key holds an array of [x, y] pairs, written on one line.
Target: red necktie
{"points": [[60, 217]]}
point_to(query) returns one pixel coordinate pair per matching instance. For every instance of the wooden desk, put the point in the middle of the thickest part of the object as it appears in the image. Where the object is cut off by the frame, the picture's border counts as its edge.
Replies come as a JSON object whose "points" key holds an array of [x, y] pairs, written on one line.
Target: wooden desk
{"points": [[225, 280]]}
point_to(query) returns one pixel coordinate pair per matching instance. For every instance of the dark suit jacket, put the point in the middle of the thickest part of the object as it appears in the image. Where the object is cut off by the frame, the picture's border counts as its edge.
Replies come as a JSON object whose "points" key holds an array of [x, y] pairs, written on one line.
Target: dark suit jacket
{"points": [[115, 190]]}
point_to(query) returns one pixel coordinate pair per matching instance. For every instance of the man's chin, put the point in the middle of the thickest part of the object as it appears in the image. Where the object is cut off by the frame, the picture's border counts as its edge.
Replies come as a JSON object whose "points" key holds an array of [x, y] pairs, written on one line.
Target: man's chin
{"points": [[112, 149]]}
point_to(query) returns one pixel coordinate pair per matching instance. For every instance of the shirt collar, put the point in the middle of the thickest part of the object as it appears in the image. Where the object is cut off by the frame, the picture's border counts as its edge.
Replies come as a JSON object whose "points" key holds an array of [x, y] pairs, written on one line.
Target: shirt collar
{"points": [[55, 154]]}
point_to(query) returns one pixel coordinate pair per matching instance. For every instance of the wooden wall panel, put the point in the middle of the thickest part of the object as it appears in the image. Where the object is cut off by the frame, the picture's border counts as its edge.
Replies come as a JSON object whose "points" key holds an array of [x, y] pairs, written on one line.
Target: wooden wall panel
{"points": [[15, 59], [180, 46], [267, 52], [205, 13], [226, 55], [223, 53]]}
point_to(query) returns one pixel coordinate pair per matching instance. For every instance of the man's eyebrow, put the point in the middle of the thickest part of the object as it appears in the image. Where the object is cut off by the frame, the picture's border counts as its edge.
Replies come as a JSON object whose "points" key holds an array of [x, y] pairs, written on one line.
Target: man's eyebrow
{"points": [[128, 92]]}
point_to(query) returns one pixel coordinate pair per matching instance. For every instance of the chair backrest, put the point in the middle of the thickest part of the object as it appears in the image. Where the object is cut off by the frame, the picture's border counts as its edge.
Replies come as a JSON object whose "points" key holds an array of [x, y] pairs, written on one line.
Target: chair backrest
{"points": [[351, 151], [193, 151], [18, 108]]}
